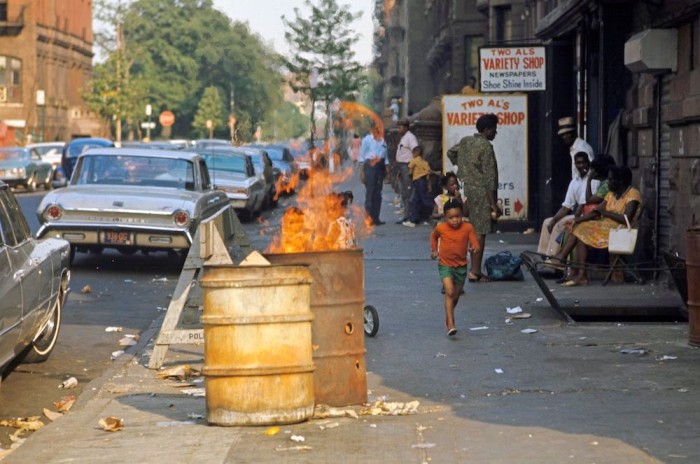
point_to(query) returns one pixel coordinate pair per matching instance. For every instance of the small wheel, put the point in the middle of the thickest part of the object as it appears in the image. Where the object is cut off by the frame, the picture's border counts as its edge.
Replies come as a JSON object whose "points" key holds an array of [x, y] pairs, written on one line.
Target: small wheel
{"points": [[371, 319], [45, 341]]}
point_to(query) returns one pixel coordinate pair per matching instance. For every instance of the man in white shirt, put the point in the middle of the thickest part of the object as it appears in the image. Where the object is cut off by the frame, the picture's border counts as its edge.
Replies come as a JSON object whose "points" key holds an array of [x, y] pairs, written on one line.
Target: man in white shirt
{"points": [[567, 132], [404, 155], [575, 196]]}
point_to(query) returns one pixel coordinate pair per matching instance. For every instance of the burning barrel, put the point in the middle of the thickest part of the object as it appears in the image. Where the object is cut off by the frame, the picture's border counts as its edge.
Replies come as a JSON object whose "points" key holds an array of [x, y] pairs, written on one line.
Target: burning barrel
{"points": [[258, 363], [337, 303]]}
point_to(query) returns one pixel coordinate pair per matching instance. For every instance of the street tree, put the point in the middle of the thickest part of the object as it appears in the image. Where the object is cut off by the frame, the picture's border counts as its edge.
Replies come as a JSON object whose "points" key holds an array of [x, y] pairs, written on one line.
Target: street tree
{"points": [[321, 41], [210, 112], [285, 122]]}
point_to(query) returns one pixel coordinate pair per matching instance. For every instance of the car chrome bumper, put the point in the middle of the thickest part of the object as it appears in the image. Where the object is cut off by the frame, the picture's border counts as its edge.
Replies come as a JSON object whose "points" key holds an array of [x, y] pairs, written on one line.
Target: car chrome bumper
{"points": [[89, 235]]}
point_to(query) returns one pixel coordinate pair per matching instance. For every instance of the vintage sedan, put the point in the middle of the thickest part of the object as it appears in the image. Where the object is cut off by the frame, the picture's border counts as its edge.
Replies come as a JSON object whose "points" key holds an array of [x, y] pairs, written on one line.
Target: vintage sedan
{"points": [[22, 166], [131, 199], [34, 278], [234, 173]]}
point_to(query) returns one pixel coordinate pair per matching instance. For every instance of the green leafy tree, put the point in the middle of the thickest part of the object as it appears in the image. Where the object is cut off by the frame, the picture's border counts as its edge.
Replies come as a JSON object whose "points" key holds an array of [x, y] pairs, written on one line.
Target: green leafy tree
{"points": [[210, 109], [285, 123], [323, 40]]}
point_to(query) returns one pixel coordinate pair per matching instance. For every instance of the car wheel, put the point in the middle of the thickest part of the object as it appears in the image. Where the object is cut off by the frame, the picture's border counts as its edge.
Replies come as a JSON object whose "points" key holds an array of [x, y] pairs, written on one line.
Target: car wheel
{"points": [[45, 340], [31, 184]]}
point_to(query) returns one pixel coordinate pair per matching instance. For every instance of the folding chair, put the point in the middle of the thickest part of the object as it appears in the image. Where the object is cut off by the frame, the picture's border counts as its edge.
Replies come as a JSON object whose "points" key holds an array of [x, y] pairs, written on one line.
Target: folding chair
{"points": [[618, 248]]}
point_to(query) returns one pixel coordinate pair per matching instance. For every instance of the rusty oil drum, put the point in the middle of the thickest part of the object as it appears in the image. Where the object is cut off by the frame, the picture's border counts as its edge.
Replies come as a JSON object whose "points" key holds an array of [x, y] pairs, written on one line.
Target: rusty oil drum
{"points": [[337, 303], [692, 264], [258, 364]]}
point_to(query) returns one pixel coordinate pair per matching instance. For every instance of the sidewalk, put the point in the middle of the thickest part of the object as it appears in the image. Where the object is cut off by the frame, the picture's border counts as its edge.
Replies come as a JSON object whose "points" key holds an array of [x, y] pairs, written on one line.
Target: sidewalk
{"points": [[576, 393]]}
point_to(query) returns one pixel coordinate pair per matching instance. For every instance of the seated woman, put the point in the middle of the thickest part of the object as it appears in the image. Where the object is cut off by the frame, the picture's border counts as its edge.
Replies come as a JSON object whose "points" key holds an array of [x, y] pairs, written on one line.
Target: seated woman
{"points": [[592, 229]]}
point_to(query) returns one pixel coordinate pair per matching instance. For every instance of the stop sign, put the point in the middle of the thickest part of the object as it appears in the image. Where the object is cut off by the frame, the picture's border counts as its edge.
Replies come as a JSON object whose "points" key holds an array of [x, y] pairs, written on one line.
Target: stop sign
{"points": [[167, 118]]}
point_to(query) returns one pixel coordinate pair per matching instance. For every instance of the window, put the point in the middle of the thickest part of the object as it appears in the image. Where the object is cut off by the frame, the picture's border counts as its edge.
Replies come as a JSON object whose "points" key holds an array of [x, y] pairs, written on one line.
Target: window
{"points": [[10, 79], [3, 10], [471, 58], [14, 227], [504, 23]]}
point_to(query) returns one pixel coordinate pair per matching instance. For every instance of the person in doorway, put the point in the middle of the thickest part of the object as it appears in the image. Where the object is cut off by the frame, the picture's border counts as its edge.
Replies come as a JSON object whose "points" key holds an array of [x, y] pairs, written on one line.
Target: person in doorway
{"points": [[568, 134], [373, 158], [450, 241], [478, 171], [404, 155]]}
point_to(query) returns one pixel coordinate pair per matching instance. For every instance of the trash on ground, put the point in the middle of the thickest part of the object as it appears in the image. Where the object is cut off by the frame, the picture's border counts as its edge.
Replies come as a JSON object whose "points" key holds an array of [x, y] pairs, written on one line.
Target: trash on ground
{"points": [[129, 340], [515, 310], [194, 415], [683, 390], [297, 438], [30, 424], [332, 425], [184, 372], [323, 411], [633, 351], [440, 355], [116, 354], [529, 331], [86, 289], [194, 391], [271, 431], [424, 445], [174, 423], [294, 448], [51, 415], [162, 279], [65, 403], [539, 299], [498, 370], [666, 358], [382, 408], [114, 329], [521, 316], [111, 424], [69, 383], [483, 327]]}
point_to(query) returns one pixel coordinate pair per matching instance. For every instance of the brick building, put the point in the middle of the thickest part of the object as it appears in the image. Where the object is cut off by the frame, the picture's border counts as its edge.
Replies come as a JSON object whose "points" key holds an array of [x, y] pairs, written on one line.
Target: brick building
{"points": [[642, 106], [45, 60]]}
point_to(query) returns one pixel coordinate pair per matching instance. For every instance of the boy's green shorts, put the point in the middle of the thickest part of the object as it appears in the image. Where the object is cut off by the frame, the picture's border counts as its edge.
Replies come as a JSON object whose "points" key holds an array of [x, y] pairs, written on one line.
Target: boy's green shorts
{"points": [[458, 274]]}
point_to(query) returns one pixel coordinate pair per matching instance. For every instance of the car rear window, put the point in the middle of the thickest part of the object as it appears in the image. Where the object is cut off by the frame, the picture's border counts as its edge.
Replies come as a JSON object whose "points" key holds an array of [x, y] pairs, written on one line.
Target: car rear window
{"points": [[136, 170]]}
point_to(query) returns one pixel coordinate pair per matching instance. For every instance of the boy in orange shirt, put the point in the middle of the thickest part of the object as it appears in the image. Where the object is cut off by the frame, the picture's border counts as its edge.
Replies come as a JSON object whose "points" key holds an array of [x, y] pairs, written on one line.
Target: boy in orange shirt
{"points": [[454, 237]]}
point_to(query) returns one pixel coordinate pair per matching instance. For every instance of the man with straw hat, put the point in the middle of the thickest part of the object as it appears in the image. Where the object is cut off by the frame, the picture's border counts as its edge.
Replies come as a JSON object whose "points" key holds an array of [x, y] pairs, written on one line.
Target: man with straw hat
{"points": [[567, 132]]}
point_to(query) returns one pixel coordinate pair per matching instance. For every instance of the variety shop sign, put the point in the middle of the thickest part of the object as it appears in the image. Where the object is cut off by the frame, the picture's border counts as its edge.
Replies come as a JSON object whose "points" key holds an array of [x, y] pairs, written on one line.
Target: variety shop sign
{"points": [[459, 115], [512, 69]]}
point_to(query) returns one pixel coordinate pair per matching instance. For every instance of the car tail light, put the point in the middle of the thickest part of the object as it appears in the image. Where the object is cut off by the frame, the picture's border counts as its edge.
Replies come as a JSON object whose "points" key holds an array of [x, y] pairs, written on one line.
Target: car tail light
{"points": [[53, 212], [181, 218]]}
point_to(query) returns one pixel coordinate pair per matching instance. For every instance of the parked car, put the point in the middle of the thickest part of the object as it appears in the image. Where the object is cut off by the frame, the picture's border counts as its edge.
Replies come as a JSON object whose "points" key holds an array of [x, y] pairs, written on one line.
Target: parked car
{"points": [[23, 166], [34, 278], [77, 147], [50, 152], [131, 199], [285, 166], [208, 143], [234, 173]]}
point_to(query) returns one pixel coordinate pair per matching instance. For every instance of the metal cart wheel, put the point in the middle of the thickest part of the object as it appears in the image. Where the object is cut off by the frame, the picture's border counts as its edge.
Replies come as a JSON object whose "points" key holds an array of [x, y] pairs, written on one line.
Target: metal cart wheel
{"points": [[371, 319]]}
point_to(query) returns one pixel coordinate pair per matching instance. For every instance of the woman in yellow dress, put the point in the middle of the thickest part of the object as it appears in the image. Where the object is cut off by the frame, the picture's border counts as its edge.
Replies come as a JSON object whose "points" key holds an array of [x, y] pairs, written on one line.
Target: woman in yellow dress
{"points": [[592, 229]]}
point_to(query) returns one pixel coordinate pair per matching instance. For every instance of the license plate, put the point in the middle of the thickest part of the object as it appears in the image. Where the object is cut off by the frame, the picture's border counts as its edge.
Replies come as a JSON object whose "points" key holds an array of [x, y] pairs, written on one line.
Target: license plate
{"points": [[114, 237]]}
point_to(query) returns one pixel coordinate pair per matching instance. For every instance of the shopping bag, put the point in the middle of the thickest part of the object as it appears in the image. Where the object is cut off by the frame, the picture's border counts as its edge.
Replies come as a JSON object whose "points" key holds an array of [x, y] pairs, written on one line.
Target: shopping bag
{"points": [[622, 240], [504, 266]]}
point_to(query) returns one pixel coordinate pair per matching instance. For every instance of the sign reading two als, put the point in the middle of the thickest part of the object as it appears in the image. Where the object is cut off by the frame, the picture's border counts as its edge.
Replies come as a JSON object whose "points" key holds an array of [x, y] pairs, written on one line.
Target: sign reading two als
{"points": [[512, 69]]}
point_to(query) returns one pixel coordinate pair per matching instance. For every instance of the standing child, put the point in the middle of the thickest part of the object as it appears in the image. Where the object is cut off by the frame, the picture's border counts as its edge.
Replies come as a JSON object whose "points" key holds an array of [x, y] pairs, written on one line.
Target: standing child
{"points": [[454, 237], [420, 200], [450, 187]]}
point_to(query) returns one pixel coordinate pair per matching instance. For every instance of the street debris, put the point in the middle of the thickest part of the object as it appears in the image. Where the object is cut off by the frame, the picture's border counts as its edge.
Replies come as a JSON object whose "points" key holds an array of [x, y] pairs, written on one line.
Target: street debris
{"points": [[194, 415], [639, 351], [51, 415], [69, 383], [162, 279], [483, 327], [65, 403], [24, 424], [666, 358], [271, 431], [184, 372], [114, 329], [129, 340], [297, 438], [331, 425], [86, 289], [174, 423], [521, 316], [515, 310], [294, 448], [383, 408], [683, 390], [323, 411], [111, 424], [539, 299], [529, 331], [196, 392], [440, 355], [498, 370], [116, 354], [424, 445]]}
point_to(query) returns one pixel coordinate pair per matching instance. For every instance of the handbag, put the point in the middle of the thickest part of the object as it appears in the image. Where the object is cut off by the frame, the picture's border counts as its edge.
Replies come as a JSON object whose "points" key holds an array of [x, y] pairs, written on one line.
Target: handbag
{"points": [[621, 240], [504, 266]]}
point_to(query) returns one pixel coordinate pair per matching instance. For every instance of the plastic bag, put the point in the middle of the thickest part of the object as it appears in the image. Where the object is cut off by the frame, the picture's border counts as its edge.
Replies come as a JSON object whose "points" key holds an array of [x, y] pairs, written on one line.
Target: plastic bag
{"points": [[504, 266]]}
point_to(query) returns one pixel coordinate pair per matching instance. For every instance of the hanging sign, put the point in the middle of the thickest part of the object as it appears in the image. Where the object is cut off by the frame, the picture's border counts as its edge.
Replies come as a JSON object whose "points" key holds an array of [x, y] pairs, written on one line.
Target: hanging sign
{"points": [[512, 69]]}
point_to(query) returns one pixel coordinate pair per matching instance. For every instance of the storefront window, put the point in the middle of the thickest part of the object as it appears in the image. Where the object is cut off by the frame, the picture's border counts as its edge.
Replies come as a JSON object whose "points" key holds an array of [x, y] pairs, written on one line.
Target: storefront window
{"points": [[10, 80]]}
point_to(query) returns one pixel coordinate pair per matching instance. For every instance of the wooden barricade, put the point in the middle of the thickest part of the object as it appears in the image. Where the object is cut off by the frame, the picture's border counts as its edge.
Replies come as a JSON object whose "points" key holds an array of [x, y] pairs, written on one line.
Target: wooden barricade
{"points": [[210, 245]]}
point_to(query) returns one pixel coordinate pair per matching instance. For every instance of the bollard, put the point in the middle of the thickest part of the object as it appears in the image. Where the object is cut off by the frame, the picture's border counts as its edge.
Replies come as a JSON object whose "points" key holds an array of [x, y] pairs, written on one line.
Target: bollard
{"points": [[692, 264]]}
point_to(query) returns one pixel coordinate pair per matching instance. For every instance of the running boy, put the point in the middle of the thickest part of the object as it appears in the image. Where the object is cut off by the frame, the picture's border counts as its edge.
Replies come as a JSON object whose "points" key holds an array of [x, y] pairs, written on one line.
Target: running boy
{"points": [[454, 237]]}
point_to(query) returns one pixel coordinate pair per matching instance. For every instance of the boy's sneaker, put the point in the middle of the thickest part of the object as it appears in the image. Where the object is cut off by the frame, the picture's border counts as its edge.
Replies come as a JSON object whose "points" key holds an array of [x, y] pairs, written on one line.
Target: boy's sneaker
{"points": [[409, 224]]}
